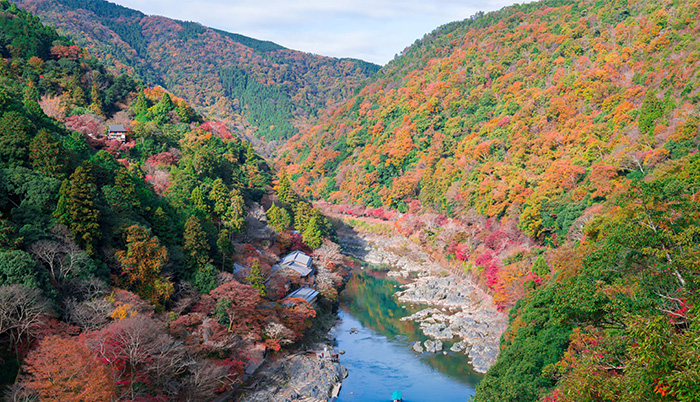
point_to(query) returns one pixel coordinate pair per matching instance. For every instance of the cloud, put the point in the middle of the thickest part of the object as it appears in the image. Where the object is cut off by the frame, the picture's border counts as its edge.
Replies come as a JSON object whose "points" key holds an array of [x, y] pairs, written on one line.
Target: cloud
{"points": [[372, 30]]}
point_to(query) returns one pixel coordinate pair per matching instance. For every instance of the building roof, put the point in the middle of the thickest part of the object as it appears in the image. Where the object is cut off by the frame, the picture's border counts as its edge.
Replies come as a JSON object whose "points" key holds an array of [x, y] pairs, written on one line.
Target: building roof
{"points": [[297, 261], [305, 293], [117, 127]]}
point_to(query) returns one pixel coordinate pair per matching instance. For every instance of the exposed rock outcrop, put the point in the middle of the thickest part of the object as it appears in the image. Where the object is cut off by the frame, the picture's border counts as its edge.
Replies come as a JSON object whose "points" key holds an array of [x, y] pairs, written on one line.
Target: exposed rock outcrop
{"points": [[296, 377]]}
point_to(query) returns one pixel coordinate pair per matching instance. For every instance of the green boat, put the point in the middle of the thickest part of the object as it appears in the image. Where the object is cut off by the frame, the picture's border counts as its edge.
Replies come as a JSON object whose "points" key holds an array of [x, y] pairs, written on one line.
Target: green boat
{"points": [[396, 396]]}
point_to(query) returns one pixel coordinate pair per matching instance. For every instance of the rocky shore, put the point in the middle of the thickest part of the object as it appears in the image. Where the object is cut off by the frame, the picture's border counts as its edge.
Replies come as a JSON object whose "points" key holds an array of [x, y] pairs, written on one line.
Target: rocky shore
{"points": [[295, 378], [460, 313]]}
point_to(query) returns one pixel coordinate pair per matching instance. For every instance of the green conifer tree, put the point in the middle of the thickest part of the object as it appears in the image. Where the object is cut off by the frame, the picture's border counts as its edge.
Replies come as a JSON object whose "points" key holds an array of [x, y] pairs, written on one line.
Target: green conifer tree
{"points": [[219, 197], [278, 218], [313, 234], [196, 245], [235, 213], [76, 207], [46, 154], [256, 279], [140, 105], [223, 243], [96, 104]]}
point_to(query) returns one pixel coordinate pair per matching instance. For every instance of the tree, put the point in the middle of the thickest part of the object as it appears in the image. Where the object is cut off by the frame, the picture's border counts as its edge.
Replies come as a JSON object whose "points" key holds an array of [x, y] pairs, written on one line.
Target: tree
{"points": [[8, 236], [238, 307], [650, 111], [145, 360], [15, 136], [140, 105], [196, 245], [18, 267], [64, 369], [142, 262], [223, 243], [313, 234], [256, 279], [96, 106], [122, 196], [63, 260], [47, 155], [76, 207], [21, 311], [219, 197], [284, 190], [235, 213], [278, 218], [199, 202], [205, 279]]}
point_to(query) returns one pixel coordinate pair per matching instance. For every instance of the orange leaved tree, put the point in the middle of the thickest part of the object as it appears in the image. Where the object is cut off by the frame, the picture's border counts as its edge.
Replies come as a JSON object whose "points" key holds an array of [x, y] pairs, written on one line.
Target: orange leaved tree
{"points": [[62, 369]]}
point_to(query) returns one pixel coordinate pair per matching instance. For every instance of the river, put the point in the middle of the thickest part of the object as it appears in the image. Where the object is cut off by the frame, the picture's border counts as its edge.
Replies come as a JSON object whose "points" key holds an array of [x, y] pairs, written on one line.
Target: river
{"points": [[379, 357]]}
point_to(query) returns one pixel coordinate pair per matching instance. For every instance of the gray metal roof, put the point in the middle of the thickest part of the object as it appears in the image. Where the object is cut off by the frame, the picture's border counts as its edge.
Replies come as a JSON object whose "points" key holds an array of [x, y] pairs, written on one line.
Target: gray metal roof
{"points": [[299, 262], [307, 294], [117, 127]]}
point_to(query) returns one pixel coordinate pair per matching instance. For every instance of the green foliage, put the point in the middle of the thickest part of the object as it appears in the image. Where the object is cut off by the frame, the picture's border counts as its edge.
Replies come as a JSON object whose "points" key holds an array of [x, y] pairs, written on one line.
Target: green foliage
{"points": [[255, 44], [256, 279], [268, 107], [47, 155], [540, 267], [76, 207], [650, 112], [196, 246], [205, 279], [19, 267], [234, 217], [313, 233], [23, 35], [15, 136], [539, 340], [278, 218]]}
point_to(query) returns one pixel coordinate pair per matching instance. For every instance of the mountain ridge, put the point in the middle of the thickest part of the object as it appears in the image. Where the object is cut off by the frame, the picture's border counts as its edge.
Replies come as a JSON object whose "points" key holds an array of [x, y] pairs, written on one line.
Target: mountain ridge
{"points": [[185, 58]]}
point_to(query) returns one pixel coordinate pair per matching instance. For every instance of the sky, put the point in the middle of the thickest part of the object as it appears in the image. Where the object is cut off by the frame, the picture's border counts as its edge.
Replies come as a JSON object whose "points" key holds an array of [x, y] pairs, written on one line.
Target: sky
{"points": [[371, 30]]}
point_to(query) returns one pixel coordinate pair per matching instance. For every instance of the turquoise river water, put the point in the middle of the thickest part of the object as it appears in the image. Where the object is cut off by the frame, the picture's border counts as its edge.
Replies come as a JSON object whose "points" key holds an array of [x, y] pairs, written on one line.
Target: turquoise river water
{"points": [[379, 357]]}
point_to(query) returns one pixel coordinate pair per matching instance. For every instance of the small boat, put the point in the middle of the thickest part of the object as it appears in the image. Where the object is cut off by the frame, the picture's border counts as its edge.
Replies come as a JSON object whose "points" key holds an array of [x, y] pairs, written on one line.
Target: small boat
{"points": [[396, 396]]}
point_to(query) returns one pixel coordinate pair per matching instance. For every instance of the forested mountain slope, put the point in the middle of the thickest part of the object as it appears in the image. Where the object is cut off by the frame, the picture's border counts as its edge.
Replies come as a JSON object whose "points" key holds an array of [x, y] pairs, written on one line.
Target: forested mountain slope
{"points": [[260, 85], [116, 255], [574, 123]]}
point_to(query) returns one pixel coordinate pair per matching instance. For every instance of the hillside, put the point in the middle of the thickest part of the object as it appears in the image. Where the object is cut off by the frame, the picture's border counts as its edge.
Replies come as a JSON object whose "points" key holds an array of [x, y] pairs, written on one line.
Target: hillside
{"points": [[258, 86], [550, 150], [117, 253]]}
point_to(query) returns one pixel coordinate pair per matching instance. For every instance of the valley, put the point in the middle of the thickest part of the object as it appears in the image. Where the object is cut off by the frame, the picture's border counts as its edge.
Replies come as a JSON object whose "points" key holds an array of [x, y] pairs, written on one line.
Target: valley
{"points": [[506, 211]]}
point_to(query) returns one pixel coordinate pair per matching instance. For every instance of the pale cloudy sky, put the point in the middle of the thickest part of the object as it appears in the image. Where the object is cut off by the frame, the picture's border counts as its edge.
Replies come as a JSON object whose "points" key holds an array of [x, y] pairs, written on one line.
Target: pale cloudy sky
{"points": [[372, 30]]}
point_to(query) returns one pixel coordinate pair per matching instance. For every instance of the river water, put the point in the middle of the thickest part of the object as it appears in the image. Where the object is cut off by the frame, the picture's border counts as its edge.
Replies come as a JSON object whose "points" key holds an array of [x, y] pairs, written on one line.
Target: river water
{"points": [[379, 357]]}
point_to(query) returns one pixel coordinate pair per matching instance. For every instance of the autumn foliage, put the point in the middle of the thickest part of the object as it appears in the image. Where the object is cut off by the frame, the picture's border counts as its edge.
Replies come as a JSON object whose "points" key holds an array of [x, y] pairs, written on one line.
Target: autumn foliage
{"points": [[64, 369]]}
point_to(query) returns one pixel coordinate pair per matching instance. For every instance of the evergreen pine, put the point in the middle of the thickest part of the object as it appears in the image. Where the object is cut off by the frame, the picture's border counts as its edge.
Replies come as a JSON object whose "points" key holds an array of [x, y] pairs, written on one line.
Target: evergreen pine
{"points": [[196, 245], [278, 218], [76, 207], [313, 234], [46, 154], [140, 105], [96, 106], [256, 279], [235, 213]]}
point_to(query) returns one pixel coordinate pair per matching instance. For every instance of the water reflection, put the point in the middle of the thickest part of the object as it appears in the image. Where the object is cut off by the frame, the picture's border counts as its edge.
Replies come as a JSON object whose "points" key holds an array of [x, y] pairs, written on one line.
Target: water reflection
{"points": [[379, 355]]}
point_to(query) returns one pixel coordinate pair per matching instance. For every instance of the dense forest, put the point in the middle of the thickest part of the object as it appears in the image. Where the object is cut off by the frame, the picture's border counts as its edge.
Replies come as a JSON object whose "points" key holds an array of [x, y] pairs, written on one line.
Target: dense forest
{"points": [[549, 150], [116, 256], [258, 87]]}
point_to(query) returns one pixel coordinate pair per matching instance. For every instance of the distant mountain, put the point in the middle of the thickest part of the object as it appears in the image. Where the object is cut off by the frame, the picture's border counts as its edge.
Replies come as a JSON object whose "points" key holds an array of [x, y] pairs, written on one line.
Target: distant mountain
{"points": [[262, 86]]}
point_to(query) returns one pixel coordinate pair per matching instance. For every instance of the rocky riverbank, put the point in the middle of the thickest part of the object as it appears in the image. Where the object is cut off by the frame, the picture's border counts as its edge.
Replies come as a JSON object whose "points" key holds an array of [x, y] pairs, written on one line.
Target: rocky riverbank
{"points": [[460, 312], [295, 378]]}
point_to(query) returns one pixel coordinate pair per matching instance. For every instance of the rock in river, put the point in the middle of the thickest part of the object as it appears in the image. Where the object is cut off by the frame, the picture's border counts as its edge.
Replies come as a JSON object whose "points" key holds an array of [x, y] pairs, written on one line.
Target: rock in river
{"points": [[417, 347]]}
